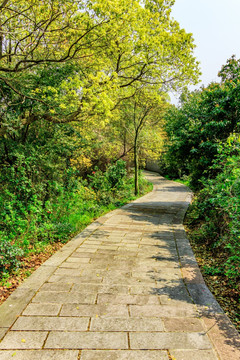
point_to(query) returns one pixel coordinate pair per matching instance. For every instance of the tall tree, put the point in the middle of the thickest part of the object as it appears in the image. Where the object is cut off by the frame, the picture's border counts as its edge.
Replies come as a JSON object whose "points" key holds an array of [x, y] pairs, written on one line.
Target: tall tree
{"points": [[145, 110]]}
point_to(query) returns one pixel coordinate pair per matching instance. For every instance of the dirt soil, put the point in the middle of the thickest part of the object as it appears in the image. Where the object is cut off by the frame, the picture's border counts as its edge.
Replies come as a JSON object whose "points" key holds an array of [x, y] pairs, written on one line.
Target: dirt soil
{"points": [[29, 264], [219, 285]]}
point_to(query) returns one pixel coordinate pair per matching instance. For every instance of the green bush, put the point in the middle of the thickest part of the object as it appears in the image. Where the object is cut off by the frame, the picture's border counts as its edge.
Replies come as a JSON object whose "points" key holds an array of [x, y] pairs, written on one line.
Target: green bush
{"points": [[206, 117], [105, 184], [216, 209], [10, 254], [28, 227]]}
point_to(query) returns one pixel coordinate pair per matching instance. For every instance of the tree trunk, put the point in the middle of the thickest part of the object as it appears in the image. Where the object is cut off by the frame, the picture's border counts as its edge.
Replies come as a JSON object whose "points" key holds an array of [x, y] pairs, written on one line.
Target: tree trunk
{"points": [[1, 41], [136, 166], [4, 3]]}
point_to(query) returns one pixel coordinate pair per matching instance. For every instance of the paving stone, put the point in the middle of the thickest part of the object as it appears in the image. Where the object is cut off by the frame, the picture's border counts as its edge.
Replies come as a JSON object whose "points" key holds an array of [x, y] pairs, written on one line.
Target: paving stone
{"points": [[38, 277], [94, 310], [121, 280], [68, 272], [92, 273], [70, 265], [87, 250], [151, 340], [123, 355], [3, 332], [74, 279], [171, 274], [76, 256], [180, 324], [14, 305], [48, 323], [223, 335], [121, 255], [174, 300], [127, 299], [63, 297], [92, 241], [98, 265], [177, 292], [187, 310], [90, 245], [57, 287], [115, 266], [126, 265], [99, 288], [163, 264], [131, 324], [140, 289], [42, 309], [193, 355], [39, 355], [83, 340], [100, 262], [192, 275], [86, 288], [113, 289], [104, 256], [23, 340], [203, 297], [108, 247], [112, 241]]}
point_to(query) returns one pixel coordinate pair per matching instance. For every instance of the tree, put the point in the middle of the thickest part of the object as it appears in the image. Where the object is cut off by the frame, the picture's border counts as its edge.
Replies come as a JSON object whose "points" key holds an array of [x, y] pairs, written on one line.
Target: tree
{"points": [[77, 62], [143, 111], [113, 47], [205, 118]]}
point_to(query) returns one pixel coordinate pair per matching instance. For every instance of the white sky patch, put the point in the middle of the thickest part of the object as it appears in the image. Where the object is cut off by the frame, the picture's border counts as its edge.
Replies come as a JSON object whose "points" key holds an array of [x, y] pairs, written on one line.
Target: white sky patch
{"points": [[215, 25]]}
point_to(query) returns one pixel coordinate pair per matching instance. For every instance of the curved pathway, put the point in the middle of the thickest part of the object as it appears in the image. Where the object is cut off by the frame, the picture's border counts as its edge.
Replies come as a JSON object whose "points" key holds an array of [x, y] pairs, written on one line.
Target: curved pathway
{"points": [[127, 287]]}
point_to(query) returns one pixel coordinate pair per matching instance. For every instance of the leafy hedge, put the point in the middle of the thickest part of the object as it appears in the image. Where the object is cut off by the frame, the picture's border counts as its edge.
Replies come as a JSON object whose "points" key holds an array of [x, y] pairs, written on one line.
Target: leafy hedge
{"points": [[27, 226], [215, 211]]}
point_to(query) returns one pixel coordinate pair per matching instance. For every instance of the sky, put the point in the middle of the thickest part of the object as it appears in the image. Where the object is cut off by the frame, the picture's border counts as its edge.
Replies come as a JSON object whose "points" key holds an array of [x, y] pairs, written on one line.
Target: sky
{"points": [[215, 25]]}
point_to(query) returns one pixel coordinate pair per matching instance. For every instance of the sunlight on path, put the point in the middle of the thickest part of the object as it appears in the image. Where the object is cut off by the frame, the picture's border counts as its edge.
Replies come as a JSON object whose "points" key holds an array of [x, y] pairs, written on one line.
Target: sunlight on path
{"points": [[127, 287]]}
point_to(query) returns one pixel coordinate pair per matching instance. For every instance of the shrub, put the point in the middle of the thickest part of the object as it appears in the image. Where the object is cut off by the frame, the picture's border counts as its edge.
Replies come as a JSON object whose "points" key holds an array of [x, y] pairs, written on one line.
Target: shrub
{"points": [[216, 209], [10, 254]]}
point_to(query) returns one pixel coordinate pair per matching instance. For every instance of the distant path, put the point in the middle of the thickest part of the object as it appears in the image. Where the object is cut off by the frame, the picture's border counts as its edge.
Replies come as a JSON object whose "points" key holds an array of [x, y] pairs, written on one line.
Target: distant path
{"points": [[128, 287]]}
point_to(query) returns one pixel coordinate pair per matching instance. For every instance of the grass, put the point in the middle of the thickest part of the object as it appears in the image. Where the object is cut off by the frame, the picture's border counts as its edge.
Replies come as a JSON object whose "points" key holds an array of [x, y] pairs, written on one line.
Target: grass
{"points": [[76, 215]]}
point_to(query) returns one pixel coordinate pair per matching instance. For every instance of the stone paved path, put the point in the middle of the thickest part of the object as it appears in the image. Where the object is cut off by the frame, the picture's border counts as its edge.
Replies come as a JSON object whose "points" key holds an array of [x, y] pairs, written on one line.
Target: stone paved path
{"points": [[127, 287]]}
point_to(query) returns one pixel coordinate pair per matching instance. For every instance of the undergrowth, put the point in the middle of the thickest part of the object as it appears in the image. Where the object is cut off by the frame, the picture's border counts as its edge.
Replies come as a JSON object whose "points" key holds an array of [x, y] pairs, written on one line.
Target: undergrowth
{"points": [[27, 229]]}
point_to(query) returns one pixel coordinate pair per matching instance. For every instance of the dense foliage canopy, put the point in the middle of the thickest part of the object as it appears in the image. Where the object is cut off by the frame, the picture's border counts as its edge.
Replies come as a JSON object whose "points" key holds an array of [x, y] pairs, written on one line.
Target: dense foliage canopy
{"points": [[204, 148], [68, 71]]}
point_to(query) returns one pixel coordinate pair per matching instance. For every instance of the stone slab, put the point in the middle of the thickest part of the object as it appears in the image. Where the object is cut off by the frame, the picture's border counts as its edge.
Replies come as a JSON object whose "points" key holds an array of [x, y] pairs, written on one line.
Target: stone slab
{"points": [[183, 324], [193, 355], [203, 297], [39, 355], [153, 340], [130, 261], [223, 335], [48, 323], [63, 297], [127, 299], [14, 305], [79, 340], [3, 331], [56, 287], [23, 340], [75, 257], [94, 310], [123, 355], [74, 279], [42, 309], [38, 277], [131, 324], [162, 311]]}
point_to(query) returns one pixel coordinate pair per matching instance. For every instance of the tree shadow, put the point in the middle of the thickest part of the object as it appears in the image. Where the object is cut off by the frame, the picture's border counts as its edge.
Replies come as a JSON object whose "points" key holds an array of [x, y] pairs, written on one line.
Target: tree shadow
{"points": [[170, 214]]}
